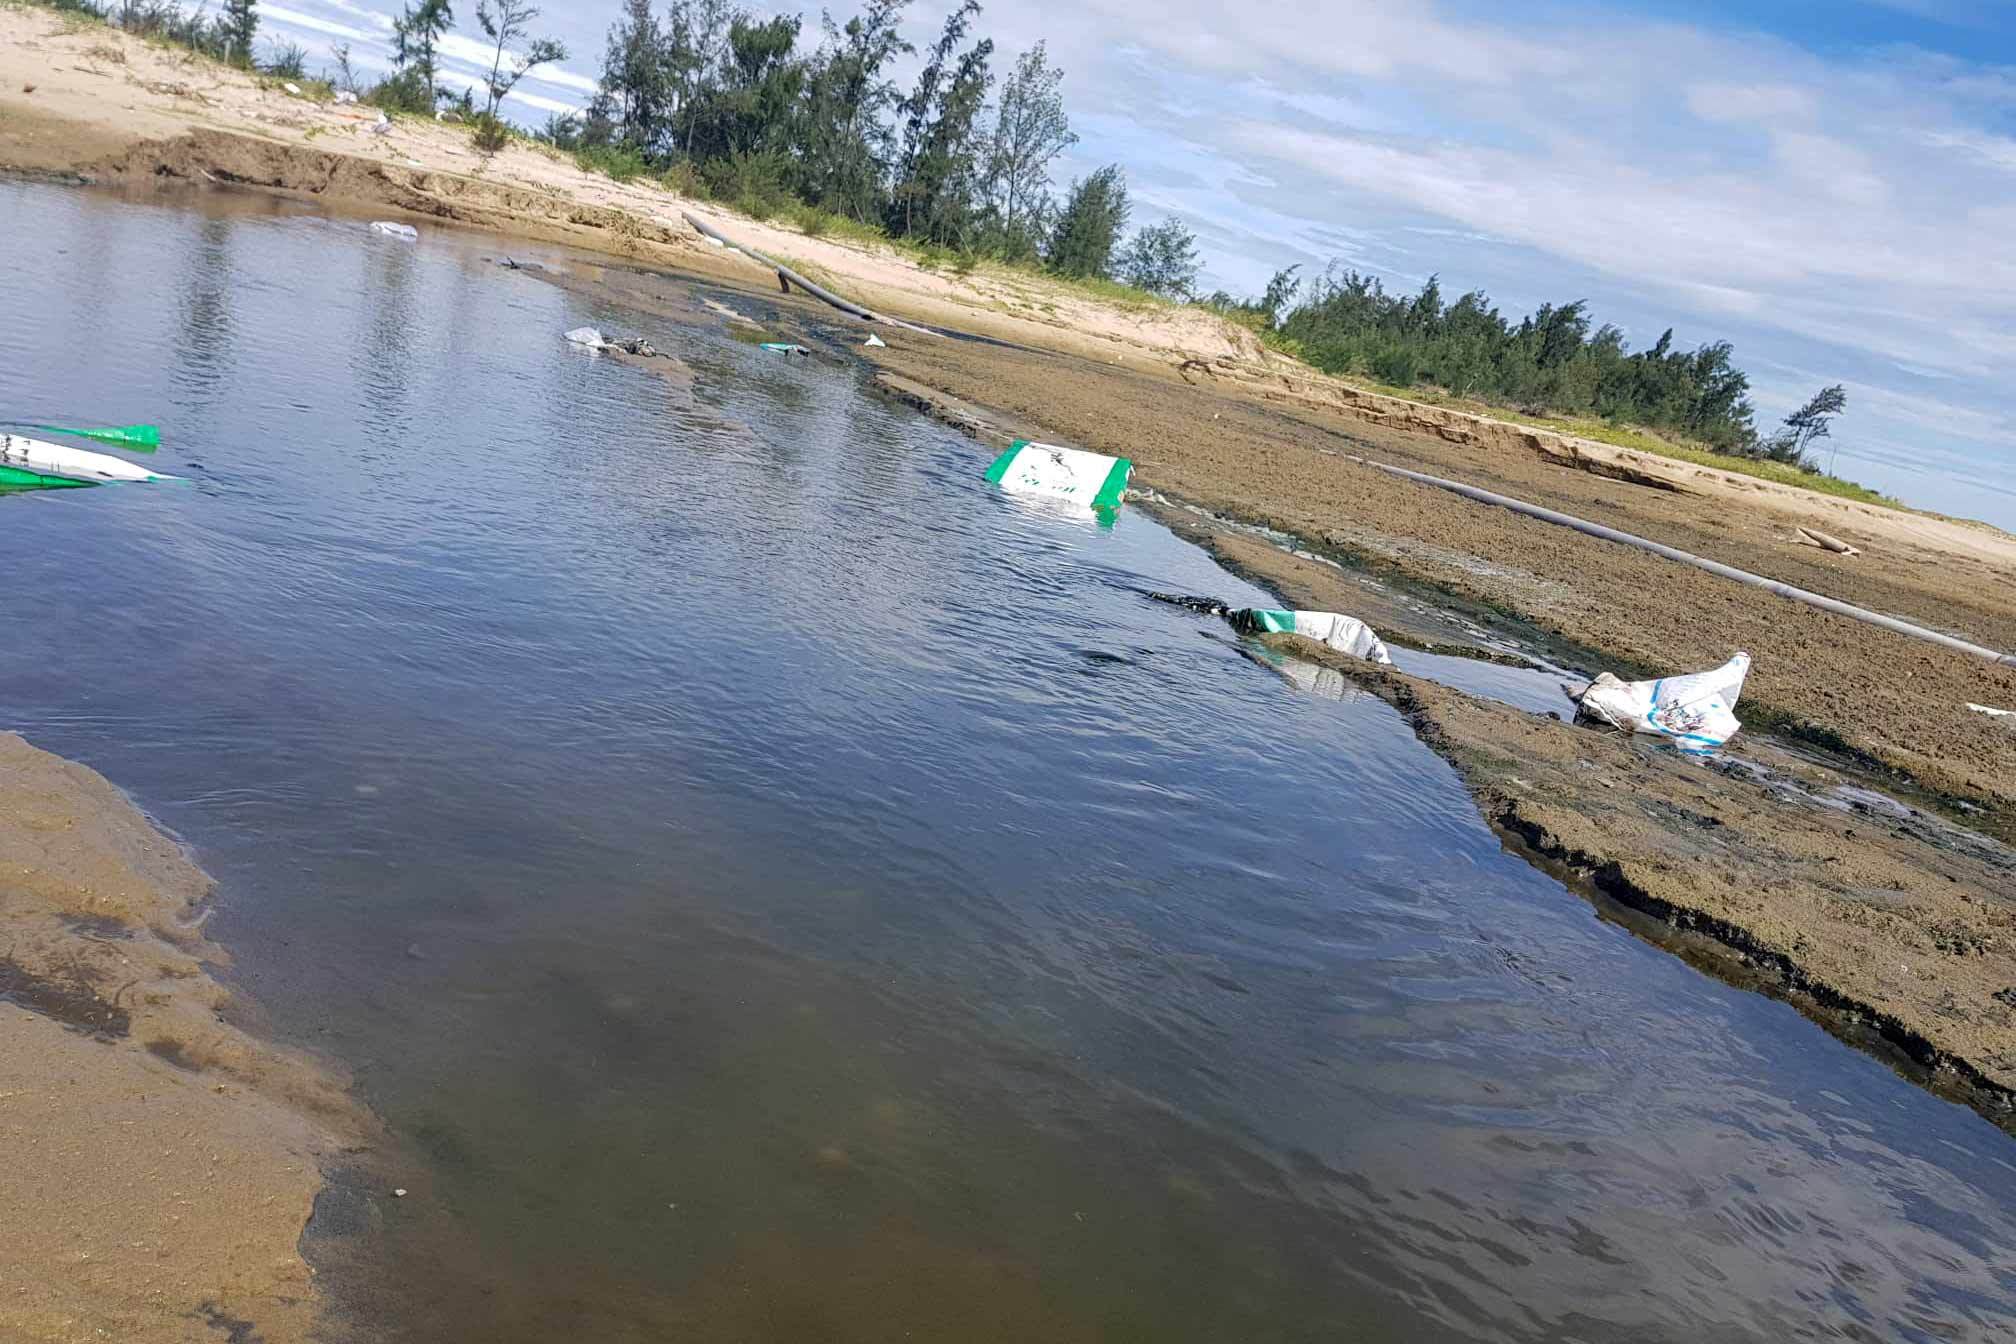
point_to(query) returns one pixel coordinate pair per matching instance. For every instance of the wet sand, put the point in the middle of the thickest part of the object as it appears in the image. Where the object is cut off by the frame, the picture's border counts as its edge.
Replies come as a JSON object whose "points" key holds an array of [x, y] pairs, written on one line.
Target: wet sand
{"points": [[161, 1163]]}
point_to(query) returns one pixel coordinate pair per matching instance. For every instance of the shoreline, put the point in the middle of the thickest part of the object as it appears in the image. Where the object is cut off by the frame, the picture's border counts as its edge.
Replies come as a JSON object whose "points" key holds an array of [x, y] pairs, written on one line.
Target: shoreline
{"points": [[1891, 931], [167, 1160], [1888, 930]]}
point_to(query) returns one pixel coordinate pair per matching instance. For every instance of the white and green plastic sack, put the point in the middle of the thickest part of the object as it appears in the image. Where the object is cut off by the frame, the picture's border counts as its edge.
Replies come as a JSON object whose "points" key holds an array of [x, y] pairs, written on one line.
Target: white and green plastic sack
{"points": [[1698, 711], [1071, 474], [1345, 634]]}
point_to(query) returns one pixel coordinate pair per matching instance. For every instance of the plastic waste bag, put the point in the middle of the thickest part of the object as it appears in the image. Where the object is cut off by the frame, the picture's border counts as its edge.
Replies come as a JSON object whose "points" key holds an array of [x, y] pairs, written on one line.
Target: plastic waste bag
{"points": [[587, 336], [875, 342], [785, 348], [1096, 481], [1345, 634], [1698, 710], [391, 230]]}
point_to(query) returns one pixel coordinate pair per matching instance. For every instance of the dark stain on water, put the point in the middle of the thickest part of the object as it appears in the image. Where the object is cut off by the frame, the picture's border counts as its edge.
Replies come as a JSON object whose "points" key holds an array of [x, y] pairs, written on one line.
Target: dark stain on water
{"points": [[693, 823]]}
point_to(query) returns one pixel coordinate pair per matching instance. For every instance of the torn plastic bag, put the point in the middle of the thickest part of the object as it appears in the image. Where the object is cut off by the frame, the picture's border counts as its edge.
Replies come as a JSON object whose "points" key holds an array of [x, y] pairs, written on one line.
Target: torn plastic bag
{"points": [[1345, 634], [1096, 481], [391, 230], [1698, 710], [587, 336]]}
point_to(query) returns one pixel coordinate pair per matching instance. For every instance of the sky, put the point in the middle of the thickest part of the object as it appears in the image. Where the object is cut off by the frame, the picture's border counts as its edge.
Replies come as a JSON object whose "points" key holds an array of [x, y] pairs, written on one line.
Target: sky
{"points": [[1829, 186]]}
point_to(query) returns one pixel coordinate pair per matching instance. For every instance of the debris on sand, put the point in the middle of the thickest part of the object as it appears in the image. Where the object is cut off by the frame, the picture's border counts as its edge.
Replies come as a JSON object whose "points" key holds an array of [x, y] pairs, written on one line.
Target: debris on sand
{"points": [[591, 338], [1333, 630], [1812, 537], [1697, 710]]}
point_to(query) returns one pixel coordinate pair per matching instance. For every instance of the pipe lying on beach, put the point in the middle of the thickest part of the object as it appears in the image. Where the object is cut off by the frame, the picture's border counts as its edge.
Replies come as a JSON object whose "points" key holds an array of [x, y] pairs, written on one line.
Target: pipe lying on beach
{"points": [[1786, 590], [789, 277]]}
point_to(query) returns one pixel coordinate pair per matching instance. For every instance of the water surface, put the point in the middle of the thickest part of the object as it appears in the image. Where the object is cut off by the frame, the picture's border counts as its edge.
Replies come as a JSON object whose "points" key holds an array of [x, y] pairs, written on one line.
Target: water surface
{"points": [[775, 888]]}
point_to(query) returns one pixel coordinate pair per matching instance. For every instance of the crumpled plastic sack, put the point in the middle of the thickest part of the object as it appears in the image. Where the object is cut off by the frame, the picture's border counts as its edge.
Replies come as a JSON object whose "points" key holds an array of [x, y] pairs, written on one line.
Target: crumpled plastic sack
{"points": [[1345, 634], [391, 230], [587, 336], [1697, 711]]}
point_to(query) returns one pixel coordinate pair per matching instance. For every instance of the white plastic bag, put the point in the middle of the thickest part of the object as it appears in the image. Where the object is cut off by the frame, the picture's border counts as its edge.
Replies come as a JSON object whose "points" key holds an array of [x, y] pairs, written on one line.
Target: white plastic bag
{"points": [[1698, 710], [1345, 634], [587, 336], [391, 230]]}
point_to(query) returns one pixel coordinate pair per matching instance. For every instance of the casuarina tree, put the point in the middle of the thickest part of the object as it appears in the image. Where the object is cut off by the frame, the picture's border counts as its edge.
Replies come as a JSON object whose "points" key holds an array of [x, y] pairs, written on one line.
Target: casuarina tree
{"points": [[505, 22], [1030, 131], [1162, 259], [1088, 229]]}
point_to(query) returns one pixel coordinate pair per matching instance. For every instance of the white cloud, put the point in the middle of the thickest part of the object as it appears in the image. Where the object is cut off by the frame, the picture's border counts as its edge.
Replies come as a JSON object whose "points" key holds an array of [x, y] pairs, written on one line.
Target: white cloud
{"points": [[1764, 104], [290, 18]]}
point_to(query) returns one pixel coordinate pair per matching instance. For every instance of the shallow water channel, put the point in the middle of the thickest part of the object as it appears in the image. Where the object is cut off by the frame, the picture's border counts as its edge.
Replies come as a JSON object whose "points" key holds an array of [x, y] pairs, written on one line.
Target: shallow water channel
{"points": [[773, 887]]}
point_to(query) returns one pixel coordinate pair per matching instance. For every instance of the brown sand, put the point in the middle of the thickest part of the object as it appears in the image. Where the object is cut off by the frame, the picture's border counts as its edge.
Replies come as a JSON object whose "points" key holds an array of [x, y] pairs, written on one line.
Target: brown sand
{"points": [[160, 1164]]}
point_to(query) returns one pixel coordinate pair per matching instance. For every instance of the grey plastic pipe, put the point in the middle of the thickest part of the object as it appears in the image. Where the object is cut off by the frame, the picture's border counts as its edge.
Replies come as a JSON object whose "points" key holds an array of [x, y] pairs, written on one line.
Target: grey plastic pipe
{"points": [[816, 291], [1583, 525]]}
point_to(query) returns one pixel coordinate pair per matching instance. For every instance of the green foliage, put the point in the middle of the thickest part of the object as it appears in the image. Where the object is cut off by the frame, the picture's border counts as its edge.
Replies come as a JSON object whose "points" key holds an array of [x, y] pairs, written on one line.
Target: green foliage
{"points": [[845, 147], [1162, 259], [236, 25], [416, 33], [1550, 360], [1088, 228], [562, 131], [288, 61], [1030, 132], [752, 182], [505, 22], [682, 177], [489, 134], [1803, 428], [167, 21], [404, 91], [615, 161], [936, 185]]}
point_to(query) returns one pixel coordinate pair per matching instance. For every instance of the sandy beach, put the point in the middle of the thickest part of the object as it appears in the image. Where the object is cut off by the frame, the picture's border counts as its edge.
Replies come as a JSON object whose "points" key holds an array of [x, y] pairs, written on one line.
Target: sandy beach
{"points": [[164, 1160]]}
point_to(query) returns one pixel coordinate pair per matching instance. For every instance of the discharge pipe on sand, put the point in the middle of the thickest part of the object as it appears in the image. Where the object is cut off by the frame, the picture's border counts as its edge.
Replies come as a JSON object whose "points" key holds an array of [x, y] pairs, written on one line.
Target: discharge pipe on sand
{"points": [[791, 277], [1584, 526]]}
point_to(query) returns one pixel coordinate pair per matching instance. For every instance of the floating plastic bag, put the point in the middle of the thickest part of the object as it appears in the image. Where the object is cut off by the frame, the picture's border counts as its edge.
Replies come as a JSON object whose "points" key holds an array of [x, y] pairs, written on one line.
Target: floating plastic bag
{"points": [[587, 336], [1697, 710], [391, 230], [1345, 634], [1096, 481]]}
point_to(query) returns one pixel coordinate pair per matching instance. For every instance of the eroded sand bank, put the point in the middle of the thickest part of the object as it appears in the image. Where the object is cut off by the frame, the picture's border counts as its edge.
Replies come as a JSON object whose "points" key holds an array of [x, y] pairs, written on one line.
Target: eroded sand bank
{"points": [[160, 1164]]}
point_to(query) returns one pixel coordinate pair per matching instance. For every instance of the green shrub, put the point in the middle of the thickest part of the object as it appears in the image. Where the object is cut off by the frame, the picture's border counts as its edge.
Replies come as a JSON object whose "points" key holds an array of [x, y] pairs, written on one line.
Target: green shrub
{"points": [[1396, 365], [682, 177], [751, 182], [619, 162], [489, 134]]}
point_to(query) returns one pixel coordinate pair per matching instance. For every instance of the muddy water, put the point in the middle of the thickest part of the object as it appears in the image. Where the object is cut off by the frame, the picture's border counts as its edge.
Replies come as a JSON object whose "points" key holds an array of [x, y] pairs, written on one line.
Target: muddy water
{"points": [[775, 889]]}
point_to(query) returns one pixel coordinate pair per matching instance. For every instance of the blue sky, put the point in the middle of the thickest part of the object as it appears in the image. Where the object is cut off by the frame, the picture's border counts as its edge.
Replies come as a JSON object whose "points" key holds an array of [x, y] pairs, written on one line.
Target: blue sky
{"points": [[1830, 186]]}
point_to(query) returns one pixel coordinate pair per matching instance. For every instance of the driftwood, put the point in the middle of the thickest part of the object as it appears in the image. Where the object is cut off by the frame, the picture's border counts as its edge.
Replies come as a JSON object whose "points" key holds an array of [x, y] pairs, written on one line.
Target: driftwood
{"points": [[786, 277], [1809, 537]]}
